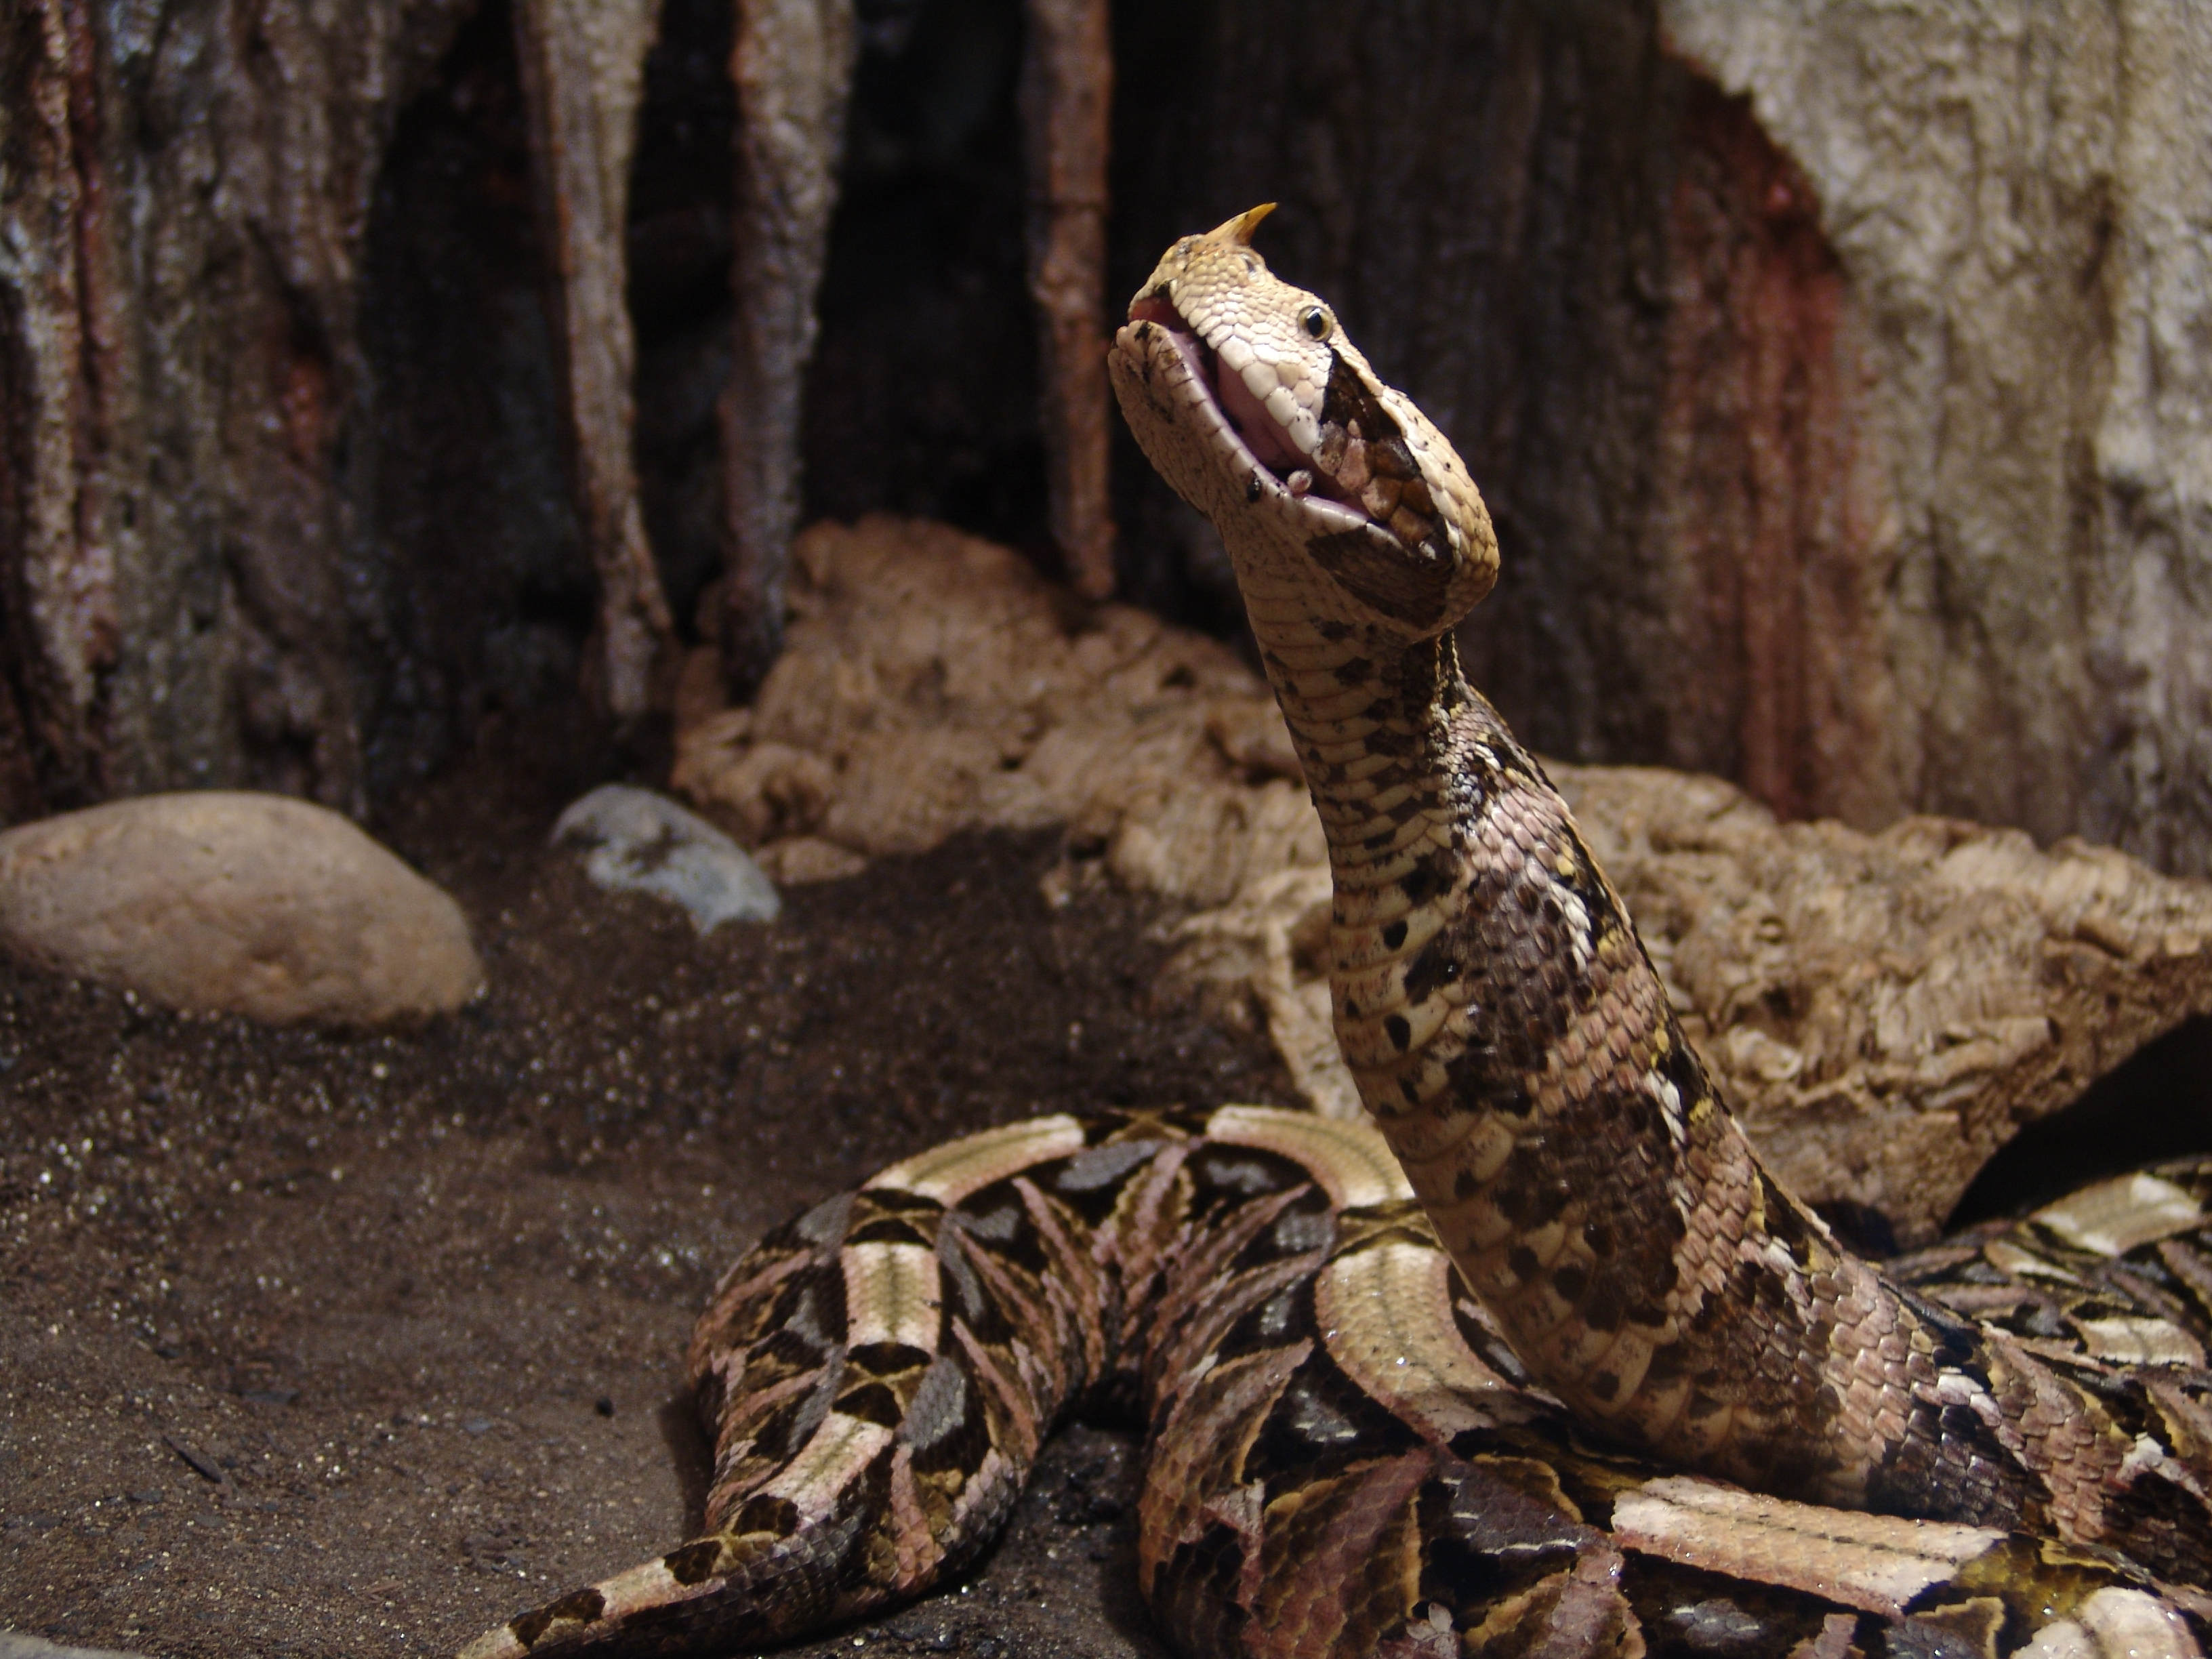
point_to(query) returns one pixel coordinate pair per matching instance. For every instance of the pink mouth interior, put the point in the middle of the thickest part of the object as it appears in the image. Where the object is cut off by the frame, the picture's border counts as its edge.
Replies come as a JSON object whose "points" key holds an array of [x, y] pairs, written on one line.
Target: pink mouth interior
{"points": [[1246, 415], [1362, 473]]}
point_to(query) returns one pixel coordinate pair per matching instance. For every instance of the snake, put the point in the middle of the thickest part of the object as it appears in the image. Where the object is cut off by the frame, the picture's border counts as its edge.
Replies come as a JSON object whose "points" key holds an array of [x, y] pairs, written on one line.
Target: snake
{"points": [[1542, 1361]]}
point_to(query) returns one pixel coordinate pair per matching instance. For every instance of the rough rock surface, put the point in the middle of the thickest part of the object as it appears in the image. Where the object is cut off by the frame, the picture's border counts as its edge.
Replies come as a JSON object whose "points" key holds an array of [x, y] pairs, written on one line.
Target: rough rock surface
{"points": [[932, 683], [15, 1646], [2018, 299], [1885, 1010], [641, 843], [243, 903]]}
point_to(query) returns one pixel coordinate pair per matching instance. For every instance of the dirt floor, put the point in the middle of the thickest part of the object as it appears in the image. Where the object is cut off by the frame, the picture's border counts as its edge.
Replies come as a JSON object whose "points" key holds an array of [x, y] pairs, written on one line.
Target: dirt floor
{"points": [[323, 1344]]}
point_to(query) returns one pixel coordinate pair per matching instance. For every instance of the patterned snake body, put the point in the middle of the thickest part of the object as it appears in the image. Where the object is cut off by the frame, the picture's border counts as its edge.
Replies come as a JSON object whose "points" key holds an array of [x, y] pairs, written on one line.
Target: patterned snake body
{"points": [[1416, 1413]]}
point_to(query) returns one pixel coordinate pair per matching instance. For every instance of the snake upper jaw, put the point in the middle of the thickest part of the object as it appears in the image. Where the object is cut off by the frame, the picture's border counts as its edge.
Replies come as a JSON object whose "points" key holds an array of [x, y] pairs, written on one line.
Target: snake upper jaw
{"points": [[1297, 436]]}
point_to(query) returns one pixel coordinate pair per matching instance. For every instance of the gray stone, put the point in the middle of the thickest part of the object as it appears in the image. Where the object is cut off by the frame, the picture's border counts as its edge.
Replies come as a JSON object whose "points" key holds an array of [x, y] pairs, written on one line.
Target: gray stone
{"points": [[641, 843], [15, 1645], [215, 902]]}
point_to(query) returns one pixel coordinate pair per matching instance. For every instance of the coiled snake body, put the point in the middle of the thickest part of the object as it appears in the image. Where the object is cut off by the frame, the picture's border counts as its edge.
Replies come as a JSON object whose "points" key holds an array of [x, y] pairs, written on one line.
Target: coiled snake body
{"points": [[1420, 1405]]}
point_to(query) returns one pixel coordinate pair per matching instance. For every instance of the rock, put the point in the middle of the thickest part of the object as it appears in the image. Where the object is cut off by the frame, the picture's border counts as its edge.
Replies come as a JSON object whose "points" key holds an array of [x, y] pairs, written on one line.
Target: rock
{"points": [[13, 1645], [931, 682], [233, 902], [809, 858], [1975, 594], [642, 842], [1884, 1011]]}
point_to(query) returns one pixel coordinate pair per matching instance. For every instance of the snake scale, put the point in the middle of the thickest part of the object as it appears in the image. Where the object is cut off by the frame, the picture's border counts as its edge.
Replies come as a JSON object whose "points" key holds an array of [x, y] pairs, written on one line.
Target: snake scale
{"points": [[1544, 1363]]}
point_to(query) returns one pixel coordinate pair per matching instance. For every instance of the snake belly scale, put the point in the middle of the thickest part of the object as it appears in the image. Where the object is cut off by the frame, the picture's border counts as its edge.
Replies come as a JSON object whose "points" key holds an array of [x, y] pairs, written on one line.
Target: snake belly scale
{"points": [[1545, 1363]]}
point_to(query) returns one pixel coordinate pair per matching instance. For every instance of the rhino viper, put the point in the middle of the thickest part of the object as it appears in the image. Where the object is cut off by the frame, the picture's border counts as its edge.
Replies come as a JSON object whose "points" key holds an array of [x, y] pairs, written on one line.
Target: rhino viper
{"points": [[1549, 1365]]}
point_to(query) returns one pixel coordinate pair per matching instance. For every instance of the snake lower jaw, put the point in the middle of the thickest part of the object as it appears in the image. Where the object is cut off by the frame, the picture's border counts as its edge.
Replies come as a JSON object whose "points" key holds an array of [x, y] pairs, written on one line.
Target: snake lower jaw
{"points": [[1251, 443]]}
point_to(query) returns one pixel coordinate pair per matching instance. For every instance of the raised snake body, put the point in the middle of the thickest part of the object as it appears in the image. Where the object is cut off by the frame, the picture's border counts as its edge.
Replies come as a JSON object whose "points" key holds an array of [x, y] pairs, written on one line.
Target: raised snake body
{"points": [[1348, 1452]]}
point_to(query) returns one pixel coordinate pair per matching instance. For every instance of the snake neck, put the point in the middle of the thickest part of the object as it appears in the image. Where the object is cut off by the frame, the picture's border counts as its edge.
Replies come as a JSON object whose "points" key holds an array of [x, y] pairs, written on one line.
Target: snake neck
{"points": [[1511, 1038]]}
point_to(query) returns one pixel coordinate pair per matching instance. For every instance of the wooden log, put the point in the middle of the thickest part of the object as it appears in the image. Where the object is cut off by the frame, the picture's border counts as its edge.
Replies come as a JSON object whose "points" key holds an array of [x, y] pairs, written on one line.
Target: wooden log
{"points": [[57, 372], [583, 67], [1066, 98], [792, 63]]}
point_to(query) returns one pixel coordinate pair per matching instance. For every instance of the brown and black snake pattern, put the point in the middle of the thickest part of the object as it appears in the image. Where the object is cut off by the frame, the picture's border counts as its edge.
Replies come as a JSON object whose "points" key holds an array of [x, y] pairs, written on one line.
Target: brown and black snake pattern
{"points": [[1339, 1457], [1357, 1444]]}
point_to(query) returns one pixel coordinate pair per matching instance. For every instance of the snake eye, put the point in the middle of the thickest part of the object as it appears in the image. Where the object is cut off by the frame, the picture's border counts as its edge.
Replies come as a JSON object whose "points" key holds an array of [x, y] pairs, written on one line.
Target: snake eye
{"points": [[1315, 322]]}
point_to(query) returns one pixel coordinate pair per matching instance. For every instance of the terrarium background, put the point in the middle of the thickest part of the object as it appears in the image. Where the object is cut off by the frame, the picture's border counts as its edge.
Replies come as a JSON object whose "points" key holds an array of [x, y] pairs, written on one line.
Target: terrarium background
{"points": [[1837, 376]]}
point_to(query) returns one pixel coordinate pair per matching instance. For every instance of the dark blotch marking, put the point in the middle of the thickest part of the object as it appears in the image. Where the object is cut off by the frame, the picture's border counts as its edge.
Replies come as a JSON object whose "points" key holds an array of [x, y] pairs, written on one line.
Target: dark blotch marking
{"points": [[1401, 1034], [1605, 1311], [777, 1517], [1438, 871], [1321, 1422], [1513, 1199], [1269, 1327], [1570, 1281], [1244, 1172], [890, 1230], [1785, 1222], [871, 1403], [1347, 399], [998, 1221], [888, 1358], [1408, 585], [694, 1564], [583, 1605], [960, 1445], [1433, 967], [1521, 1261]]}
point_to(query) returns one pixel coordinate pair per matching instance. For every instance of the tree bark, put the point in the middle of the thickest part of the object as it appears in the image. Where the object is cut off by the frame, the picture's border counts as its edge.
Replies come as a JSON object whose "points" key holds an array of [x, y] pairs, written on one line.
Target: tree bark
{"points": [[792, 63], [583, 67], [56, 374], [1835, 374], [1067, 90], [182, 357], [2018, 203]]}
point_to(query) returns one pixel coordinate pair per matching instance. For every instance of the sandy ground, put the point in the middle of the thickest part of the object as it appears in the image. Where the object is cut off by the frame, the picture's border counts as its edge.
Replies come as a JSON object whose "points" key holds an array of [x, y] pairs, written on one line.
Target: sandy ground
{"points": [[322, 1344]]}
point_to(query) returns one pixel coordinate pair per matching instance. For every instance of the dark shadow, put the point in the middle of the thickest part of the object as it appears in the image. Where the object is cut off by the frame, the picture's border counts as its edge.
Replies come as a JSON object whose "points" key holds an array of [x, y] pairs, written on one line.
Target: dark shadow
{"points": [[678, 243], [690, 1453], [922, 396], [2154, 1106], [474, 593]]}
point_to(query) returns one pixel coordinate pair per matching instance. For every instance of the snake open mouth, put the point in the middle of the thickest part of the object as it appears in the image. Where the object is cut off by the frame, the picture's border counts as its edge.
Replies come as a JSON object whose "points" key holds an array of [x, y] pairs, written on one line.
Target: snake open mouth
{"points": [[1351, 467], [1270, 454]]}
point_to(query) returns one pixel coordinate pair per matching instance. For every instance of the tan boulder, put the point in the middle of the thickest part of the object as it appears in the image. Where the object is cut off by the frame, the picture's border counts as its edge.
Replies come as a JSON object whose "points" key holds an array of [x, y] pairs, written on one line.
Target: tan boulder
{"points": [[231, 903], [931, 682]]}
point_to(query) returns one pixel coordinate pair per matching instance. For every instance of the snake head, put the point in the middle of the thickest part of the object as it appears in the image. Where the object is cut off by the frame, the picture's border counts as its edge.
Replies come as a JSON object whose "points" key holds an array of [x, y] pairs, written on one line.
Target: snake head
{"points": [[1246, 395]]}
